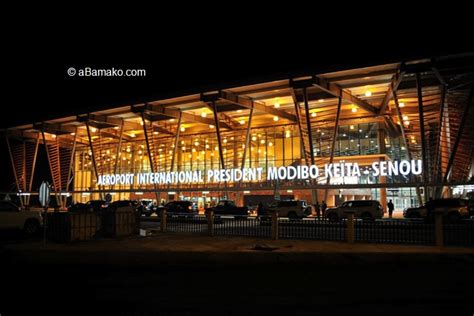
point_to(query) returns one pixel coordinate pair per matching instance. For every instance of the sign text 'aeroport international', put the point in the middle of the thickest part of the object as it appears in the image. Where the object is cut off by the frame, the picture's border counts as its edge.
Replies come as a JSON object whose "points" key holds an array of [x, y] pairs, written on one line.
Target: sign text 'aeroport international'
{"points": [[303, 172]]}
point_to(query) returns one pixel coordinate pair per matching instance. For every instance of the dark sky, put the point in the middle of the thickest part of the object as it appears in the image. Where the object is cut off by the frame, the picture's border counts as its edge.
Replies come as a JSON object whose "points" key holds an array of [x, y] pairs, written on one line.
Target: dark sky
{"points": [[37, 87]]}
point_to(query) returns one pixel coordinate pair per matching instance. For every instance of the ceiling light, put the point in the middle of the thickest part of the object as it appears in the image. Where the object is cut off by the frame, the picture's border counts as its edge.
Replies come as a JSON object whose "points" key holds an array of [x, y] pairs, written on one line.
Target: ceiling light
{"points": [[313, 114], [203, 114], [368, 93], [275, 118], [401, 104]]}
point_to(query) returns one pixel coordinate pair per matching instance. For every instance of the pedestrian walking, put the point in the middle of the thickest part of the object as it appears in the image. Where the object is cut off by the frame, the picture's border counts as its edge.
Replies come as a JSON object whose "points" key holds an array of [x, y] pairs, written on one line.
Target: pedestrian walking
{"points": [[391, 207]]}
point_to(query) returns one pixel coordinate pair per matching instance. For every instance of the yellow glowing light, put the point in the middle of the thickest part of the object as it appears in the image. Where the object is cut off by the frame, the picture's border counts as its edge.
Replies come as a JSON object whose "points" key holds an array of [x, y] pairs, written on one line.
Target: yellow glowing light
{"points": [[351, 127], [254, 138], [141, 123], [72, 134], [194, 150], [401, 104], [207, 145], [133, 135], [211, 126], [321, 100], [242, 122], [276, 118], [183, 129], [183, 148], [313, 114], [171, 120], [368, 93], [196, 143], [239, 111], [216, 148], [354, 109], [277, 105], [155, 132], [270, 144], [287, 134], [203, 114], [405, 118], [262, 141], [225, 140]]}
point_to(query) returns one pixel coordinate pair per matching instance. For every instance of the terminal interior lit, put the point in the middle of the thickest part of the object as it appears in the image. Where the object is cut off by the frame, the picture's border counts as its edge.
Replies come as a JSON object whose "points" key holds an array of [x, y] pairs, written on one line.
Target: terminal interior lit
{"points": [[411, 110]]}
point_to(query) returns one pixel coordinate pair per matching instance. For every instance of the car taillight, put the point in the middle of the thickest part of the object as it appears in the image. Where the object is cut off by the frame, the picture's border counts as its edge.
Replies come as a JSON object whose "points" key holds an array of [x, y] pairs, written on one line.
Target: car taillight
{"points": [[190, 207]]}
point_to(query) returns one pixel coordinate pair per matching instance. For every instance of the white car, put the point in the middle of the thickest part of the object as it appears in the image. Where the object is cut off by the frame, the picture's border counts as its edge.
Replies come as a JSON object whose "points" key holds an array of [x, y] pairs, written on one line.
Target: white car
{"points": [[289, 208], [12, 217], [366, 209]]}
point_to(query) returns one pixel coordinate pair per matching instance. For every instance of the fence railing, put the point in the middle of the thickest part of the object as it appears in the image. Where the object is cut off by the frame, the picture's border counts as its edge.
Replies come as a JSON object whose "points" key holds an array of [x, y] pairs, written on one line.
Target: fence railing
{"points": [[350, 229]]}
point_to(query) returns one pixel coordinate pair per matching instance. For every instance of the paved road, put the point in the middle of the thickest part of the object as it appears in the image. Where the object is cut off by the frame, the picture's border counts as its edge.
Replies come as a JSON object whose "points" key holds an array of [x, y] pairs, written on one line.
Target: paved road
{"points": [[440, 288]]}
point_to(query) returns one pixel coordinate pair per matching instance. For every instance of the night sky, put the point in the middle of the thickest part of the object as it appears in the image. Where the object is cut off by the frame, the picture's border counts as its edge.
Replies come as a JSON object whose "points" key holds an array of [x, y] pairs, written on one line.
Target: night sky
{"points": [[38, 87]]}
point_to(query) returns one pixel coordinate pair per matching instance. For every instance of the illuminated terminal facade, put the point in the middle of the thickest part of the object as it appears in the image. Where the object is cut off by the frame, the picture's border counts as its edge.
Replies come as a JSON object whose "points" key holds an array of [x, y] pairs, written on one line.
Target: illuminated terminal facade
{"points": [[402, 131]]}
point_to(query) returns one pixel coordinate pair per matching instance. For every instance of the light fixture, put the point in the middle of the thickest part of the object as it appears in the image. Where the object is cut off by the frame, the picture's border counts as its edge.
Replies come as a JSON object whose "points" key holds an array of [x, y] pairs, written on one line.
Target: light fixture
{"points": [[313, 114], [155, 133], [262, 141], [254, 138], [133, 135], [277, 105], [194, 150], [401, 104], [351, 127], [172, 120], [287, 134], [72, 134], [183, 129], [239, 111], [141, 123], [405, 117], [207, 145], [216, 148], [242, 122], [196, 143], [93, 129], [368, 93], [275, 118], [116, 127], [53, 135], [203, 114], [321, 100], [211, 126], [354, 109], [270, 144], [183, 148], [225, 140]]}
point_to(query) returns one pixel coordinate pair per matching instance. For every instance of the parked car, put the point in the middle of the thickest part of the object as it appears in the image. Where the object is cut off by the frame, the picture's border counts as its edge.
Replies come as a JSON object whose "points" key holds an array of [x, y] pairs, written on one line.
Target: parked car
{"points": [[97, 205], [179, 207], [453, 209], [228, 207], [289, 208], [12, 217], [80, 208], [365, 209]]}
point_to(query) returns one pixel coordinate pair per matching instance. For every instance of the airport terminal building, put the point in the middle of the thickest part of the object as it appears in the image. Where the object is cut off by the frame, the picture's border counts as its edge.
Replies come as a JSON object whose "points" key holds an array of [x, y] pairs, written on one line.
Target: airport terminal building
{"points": [[402, 131]]}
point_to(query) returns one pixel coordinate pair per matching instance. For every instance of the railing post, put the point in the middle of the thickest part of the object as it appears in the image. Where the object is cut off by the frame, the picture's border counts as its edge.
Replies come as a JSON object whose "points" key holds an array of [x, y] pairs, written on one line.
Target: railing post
{"points": [[163, 220], [210, 222], [439, 229], [275, 225], [350, 227]]}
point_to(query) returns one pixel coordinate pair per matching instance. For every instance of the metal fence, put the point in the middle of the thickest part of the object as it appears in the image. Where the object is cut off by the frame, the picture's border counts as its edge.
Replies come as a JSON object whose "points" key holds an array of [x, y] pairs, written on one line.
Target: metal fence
{"points": [[317, 229], [186, 223], [249, 226], [394, 231], [459, 234]]}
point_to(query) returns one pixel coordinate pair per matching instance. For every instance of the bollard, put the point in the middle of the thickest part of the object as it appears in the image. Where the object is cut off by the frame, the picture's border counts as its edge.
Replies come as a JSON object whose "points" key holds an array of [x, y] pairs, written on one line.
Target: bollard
{"points": [[350, 231], [439, 229], [163, 220], [275, 225], [210, 222]]}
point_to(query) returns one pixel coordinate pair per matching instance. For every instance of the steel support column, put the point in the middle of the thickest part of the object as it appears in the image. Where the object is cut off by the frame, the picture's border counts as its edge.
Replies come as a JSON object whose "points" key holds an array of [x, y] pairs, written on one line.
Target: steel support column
{"points": [[176, 142], [30, 185], [400, 119], [71, 164], [14, 169], [101, 193], [333, 144], [219, 143], [150, 157], [247, 139], [50, 166], [422, 130], [459, 134]]}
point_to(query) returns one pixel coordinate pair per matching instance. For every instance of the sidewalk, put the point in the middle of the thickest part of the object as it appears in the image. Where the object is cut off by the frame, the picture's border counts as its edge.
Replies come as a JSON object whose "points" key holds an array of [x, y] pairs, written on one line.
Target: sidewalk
{"points": [[186, 249]]}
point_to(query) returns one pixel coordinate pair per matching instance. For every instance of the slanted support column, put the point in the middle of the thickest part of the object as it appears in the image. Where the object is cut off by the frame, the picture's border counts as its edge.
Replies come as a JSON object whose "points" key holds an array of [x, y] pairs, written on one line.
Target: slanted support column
{"points": [[459, 133], [150, 157], [333, 143], [14, 169], [101, 193], [50, 167], [219, 142], [422, 131]]}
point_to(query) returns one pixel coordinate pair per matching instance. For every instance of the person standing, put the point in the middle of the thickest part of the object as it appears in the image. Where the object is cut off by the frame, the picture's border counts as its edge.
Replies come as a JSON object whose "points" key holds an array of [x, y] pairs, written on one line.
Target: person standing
{"points": [[323, 208], [318, 209], [391, 207]]}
